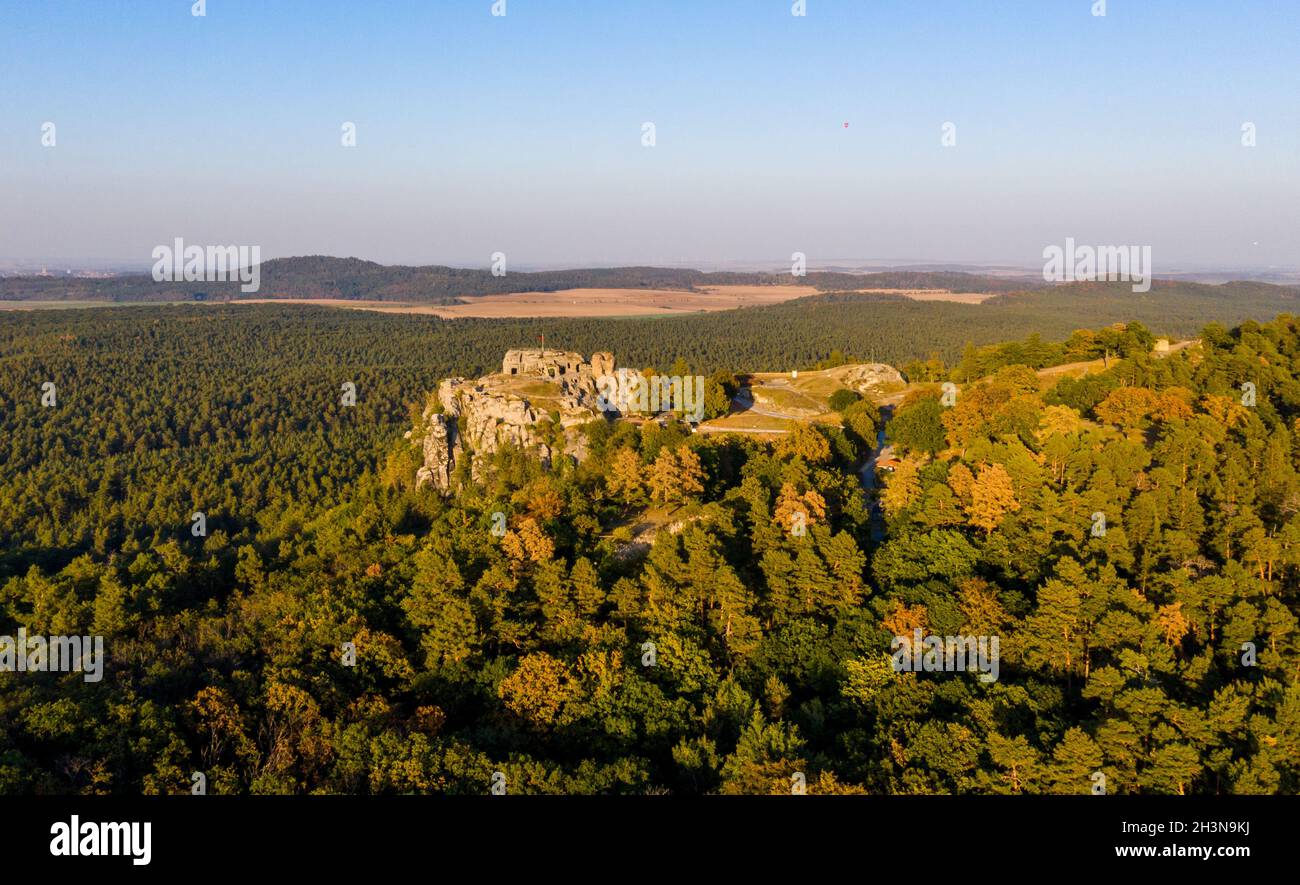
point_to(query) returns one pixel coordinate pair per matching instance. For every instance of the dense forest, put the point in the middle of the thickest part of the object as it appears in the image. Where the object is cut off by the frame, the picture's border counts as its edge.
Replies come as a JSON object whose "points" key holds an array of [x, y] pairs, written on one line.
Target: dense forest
{"points": [[748, 643]]}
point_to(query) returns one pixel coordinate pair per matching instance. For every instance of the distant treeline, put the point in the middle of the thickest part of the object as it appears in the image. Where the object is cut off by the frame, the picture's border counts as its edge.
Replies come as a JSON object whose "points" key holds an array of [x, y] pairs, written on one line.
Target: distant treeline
{"points": [[354, 279], [796, 334]]}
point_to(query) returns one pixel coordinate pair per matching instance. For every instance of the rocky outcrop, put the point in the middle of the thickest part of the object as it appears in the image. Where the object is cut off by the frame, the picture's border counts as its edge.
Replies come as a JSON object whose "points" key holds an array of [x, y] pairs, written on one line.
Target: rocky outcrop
{"points": [[440, 445], [476, 418], [492, 417], [602, 363], [869, 378], [470, 420]]}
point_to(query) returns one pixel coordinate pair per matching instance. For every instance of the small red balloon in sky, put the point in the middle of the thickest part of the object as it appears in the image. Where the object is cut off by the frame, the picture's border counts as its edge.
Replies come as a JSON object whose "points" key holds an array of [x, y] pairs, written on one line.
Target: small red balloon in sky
{"points": [[846, 125]]}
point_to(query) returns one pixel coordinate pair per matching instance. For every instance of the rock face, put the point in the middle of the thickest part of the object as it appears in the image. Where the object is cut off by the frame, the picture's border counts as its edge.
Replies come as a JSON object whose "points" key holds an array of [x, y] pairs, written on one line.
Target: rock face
{"points": [[602, 363], [870, 378], [540, 399], [518, 407], [440, 444]]}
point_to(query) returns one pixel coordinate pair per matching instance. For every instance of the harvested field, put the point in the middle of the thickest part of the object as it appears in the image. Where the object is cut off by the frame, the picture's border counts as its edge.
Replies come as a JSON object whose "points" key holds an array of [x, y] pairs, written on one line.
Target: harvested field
{"points": [[582, 302], [621, 302], [935, 295], [569, 302], [617, 302]]}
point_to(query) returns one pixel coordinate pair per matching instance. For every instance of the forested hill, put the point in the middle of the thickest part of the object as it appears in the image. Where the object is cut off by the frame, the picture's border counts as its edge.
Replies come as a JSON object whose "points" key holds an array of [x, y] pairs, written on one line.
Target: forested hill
{"points": [[1131, 538], [351, 278]]}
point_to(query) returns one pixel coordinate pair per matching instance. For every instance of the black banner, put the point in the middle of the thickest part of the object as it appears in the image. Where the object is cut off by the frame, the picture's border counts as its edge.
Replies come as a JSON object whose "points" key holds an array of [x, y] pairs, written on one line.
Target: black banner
{"points": [[623, 834]]}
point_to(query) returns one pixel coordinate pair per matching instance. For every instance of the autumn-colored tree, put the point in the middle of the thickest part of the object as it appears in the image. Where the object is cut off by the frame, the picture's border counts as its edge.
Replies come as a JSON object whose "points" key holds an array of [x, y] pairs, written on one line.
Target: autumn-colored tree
{"points": [[1127, 407], [690, 473], [804, 441], [1173, 625], [625, 479], [962, 482], [992, 497], [902, 487], [1061, 420], [542, 499], [1174, 404], [542, 690], [904, 619], [797, 513], [675, 476], [528, 542]]}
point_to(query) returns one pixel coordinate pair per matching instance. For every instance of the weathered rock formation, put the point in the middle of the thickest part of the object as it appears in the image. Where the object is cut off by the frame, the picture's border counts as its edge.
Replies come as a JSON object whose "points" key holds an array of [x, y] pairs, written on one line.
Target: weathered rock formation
{"points": [[440, 446], [869, 378], [476, 418], [540, 399]]}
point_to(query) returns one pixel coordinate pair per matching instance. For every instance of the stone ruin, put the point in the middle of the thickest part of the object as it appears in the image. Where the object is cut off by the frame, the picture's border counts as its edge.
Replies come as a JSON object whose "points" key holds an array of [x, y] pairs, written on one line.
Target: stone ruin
{"points": [[474, 418], [555, 364]]}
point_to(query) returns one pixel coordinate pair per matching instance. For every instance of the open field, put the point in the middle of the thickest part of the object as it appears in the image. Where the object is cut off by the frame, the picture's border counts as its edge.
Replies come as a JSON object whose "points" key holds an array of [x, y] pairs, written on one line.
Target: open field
{"points": [[583, 302], [616, 302], [935, 295], [621, 302], [746, 422], [748, 295]]}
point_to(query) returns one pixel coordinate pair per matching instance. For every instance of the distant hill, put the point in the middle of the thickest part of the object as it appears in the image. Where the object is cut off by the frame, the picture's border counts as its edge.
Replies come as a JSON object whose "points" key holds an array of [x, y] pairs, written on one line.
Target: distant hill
{"points": [[1170, 305], [879, 326], [319, 276]]}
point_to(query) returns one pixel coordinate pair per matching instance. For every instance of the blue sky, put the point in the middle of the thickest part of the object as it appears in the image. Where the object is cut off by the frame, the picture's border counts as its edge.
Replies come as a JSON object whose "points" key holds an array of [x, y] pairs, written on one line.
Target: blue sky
{"points": [[522, 133]]}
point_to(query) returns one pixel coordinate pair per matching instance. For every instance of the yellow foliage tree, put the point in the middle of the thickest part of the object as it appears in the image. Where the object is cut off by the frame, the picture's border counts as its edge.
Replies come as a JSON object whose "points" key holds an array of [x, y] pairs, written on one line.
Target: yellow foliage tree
{"points": [[1061, 420], [1127, 407], [675, 476], [542, 690], [625, 480], [528, 542], [962, 483], [806, 442], [1174, 403], [903, 620], [690, 472], [1225, 410], [1173, 623], [903, 488], [992, 498], [793, 508]]}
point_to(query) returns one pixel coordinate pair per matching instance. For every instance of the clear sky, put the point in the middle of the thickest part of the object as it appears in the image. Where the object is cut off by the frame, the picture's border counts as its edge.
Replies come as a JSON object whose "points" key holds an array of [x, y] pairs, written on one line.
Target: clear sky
{"points": [[523, 133]]}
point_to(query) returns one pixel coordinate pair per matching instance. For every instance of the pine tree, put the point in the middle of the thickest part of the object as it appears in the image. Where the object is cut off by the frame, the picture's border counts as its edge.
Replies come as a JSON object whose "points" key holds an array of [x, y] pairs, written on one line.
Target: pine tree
{"points": [[625, 479], [992, 497]]}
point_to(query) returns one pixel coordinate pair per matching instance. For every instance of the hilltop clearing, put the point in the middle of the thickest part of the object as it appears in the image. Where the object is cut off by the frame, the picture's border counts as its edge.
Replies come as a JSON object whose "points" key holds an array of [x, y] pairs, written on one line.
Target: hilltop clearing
{"points": [[770, 400]]}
